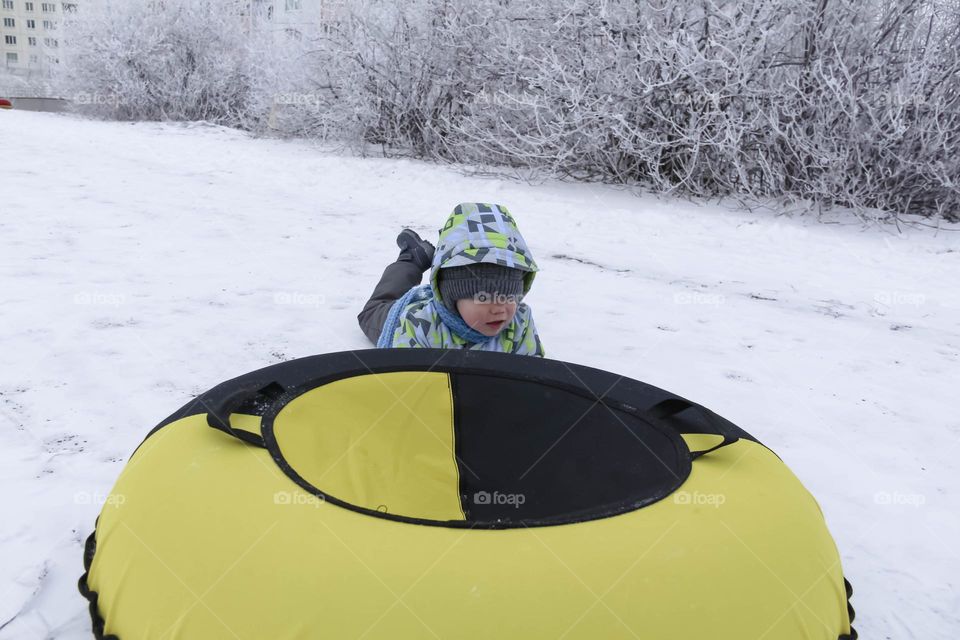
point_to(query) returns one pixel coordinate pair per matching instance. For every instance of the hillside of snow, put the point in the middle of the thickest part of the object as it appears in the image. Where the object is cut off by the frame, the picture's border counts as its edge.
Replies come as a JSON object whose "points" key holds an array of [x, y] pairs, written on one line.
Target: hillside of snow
{"points": [[141, 264]]}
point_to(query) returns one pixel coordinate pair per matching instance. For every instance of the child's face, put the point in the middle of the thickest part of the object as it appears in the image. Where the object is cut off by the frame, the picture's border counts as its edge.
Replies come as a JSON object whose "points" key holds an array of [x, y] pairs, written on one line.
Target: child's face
{"points": [[487, 314]]}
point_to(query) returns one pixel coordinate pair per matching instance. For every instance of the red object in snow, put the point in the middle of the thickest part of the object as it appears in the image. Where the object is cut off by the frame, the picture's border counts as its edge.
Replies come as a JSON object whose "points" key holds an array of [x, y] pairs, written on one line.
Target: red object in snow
{"points": [[5, 104]]}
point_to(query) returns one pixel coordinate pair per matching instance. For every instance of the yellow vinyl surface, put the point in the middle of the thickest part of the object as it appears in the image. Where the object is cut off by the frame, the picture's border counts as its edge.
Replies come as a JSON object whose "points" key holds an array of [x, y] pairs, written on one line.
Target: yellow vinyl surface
{"points": [[383, 442], [211, 540]]}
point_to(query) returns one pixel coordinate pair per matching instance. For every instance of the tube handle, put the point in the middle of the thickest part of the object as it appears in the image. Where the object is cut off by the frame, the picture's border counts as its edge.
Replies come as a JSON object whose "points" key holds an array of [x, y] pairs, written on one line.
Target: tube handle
{"points": [[218, 413], [672, 406]]}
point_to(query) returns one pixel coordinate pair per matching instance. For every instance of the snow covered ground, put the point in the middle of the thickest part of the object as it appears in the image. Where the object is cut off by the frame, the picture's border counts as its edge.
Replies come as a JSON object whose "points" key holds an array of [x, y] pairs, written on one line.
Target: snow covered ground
{"points": [[141, 264]]}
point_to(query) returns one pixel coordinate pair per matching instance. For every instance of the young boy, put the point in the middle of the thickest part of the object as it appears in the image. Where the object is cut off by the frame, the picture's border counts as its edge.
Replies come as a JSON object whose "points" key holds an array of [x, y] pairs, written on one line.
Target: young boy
{"points": [[479, 273]]}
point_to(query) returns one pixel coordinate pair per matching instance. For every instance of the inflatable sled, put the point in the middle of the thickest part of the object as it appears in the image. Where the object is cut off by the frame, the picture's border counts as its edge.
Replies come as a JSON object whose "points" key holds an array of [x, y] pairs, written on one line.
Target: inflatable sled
{"points": [[422, 493]]}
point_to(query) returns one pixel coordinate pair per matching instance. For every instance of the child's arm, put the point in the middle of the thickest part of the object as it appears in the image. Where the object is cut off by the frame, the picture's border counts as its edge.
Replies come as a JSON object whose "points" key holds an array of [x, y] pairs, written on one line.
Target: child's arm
{"points": [[413, 331]]}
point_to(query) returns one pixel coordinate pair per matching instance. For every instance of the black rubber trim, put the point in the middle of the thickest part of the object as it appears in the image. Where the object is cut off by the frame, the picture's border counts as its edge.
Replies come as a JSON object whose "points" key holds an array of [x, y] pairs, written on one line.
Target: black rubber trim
{"points": [[851, 614], [96, 620]]}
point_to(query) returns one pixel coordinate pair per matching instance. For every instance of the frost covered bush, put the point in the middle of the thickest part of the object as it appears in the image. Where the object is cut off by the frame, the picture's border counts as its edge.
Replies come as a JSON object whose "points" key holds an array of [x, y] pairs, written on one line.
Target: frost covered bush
{"points": [[160, 60], [836, 102], [849, 102], [385, 74]]}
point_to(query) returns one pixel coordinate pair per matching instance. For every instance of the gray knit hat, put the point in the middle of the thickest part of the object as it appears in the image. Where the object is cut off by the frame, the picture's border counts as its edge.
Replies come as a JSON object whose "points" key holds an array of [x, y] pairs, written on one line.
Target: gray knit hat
{"points": [[471, 280]]}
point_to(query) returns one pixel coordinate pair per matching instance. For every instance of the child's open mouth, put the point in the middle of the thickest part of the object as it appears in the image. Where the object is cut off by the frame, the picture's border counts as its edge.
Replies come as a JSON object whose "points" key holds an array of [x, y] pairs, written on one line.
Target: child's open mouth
{"points": [[495, 325]]}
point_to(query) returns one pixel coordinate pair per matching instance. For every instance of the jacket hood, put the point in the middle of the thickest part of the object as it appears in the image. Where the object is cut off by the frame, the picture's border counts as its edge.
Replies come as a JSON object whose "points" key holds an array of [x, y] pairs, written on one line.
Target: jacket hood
{"points": [[479, 232]]}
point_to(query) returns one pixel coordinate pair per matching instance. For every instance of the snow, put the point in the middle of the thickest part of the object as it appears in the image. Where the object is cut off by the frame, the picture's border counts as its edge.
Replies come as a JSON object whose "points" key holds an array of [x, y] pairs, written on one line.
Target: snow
{"points": [[143, 263]]}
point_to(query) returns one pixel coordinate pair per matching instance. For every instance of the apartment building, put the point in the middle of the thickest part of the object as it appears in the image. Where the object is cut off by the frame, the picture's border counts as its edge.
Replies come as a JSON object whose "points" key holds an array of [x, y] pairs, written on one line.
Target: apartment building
{"points": [[31, 40], [29, 35]]}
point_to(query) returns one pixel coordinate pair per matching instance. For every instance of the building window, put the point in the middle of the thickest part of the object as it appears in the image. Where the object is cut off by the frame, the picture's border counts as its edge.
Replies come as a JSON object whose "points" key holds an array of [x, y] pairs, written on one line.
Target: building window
{"points": [[292, 5], [69, 7], [32, 41], [8, 4], [49, 24], [9, 22], [31, 24], [11, 58], [34, 58], [48, 7], [50, 42], [28, 6], [10, 39]]}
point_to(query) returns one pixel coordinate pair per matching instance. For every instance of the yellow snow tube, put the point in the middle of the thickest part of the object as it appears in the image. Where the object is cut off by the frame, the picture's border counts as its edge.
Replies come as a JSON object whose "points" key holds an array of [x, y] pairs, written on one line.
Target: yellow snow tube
{"points": [[453, 494]]}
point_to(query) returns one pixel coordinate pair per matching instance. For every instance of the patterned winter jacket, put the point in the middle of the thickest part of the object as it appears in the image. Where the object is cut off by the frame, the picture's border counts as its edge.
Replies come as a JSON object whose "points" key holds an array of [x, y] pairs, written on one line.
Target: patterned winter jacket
{"points": [[474, 232]]}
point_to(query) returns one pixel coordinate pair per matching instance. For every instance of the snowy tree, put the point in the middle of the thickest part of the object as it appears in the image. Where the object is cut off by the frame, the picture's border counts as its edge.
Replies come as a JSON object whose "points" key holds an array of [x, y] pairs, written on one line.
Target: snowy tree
{"points": [[163, 59], [832, 102]]}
